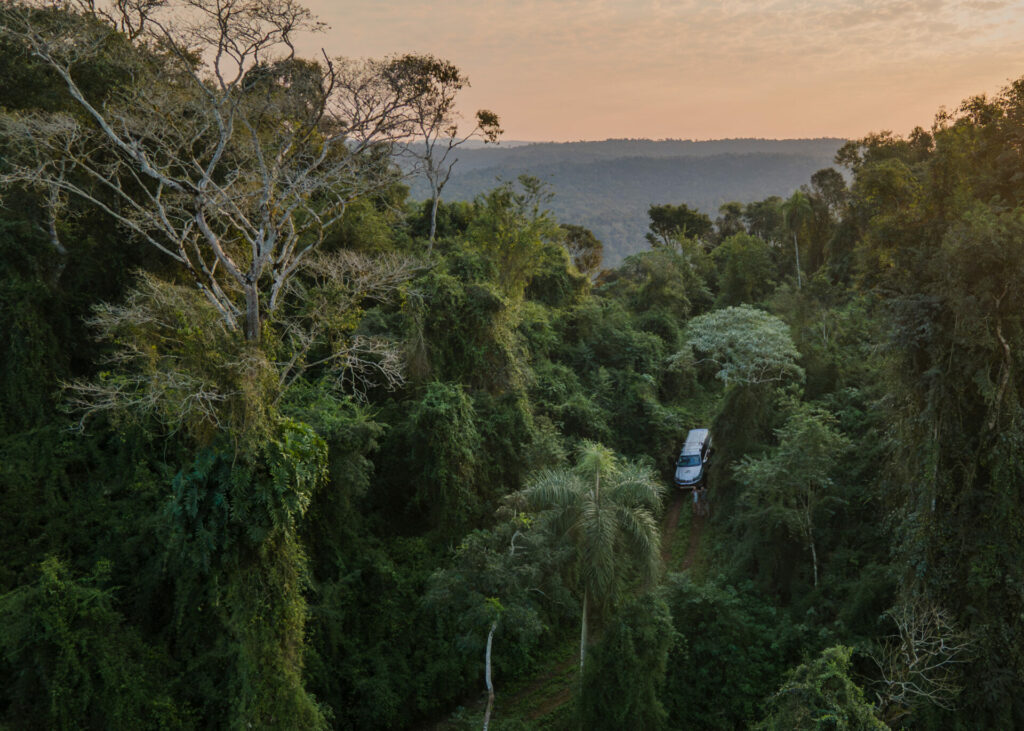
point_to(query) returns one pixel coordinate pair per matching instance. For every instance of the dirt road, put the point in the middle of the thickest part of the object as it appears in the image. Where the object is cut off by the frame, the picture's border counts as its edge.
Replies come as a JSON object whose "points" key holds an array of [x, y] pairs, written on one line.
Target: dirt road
{"points": [[668, 533]]}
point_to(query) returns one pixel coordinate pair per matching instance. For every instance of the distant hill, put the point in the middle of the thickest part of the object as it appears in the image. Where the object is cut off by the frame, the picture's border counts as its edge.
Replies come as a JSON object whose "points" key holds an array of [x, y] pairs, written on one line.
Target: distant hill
{"points": [[608, 186]]}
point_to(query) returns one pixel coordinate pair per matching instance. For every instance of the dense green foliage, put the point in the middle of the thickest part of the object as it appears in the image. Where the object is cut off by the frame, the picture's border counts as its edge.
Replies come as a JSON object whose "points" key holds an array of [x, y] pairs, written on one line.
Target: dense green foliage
{"points": [[258, 534], [820, 695]]}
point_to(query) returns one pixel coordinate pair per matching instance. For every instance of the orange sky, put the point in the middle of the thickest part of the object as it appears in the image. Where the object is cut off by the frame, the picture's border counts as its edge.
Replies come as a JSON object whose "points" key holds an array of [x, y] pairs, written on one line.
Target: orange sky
{"points": [[594, 69]]}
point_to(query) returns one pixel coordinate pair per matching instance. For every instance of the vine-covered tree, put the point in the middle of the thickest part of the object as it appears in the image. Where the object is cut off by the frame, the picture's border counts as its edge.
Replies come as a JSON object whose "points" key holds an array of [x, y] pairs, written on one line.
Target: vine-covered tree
{"points": [[821, 695]]}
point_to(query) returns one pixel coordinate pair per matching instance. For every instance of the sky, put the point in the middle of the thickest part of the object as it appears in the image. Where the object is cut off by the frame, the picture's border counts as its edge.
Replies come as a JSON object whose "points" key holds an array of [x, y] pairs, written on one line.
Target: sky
{"points": [[566, 70]]}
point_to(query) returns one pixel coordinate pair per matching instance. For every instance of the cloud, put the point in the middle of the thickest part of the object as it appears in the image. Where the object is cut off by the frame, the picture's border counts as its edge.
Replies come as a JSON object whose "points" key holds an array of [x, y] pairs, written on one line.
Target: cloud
{"points": [[579, 64]]}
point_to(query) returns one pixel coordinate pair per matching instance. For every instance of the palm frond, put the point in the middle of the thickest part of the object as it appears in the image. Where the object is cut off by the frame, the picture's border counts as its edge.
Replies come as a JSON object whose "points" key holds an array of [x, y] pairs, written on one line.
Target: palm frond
{"points": [[642, 537], [637, 486], [554, 489]]}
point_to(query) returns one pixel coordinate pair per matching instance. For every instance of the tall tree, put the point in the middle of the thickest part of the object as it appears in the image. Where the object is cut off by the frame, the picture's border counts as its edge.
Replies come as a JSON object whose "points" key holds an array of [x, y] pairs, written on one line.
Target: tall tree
{"points": [[746, 271], [669, 224], [606, 510], [436, 124], [729, 221], [626, 673], [492, 584], [749, 346], [765, 220], [791, 487], [798, 213], [223, 150]]}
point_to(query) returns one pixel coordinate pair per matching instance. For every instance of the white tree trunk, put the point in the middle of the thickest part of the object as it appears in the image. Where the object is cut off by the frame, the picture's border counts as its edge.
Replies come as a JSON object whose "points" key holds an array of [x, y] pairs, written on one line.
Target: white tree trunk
{"points": [[487, 676]]}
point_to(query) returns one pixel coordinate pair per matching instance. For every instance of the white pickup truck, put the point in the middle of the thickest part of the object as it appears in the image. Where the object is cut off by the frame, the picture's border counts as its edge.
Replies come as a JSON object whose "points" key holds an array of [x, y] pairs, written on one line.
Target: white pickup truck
{"points": [[691, 467]]}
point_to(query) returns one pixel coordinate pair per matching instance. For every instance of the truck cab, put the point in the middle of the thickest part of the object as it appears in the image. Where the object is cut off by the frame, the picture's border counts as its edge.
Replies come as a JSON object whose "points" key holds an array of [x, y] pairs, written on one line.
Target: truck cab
{"points": [[691, 467]]}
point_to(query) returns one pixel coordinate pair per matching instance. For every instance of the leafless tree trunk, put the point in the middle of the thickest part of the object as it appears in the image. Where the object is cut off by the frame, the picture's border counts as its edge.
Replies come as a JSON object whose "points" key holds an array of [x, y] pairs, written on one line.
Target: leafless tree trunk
{"points": [[487, 676]]}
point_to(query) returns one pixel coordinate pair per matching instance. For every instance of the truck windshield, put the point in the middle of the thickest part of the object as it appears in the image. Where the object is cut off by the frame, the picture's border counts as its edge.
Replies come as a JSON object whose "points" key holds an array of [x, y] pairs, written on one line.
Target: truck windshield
{"points": [[688, 460]]}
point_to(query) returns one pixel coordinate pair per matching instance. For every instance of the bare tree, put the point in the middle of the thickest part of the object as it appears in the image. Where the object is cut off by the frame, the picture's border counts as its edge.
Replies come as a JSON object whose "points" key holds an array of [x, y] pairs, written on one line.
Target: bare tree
{"points": [[437, 134], [920, 664], [221, 148]]}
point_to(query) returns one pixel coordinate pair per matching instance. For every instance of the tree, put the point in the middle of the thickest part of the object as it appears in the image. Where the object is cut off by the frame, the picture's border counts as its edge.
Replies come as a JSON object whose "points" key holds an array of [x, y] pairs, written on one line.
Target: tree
{"points": [[512, 226], [830, 187], [221, 149], [729, 221], [798, 213], [745, 269], [749, 346], [441, 444], [791, 486], [584, 248], [234, 551], [436, 126], [626, 673], [820, 695], [76, 661], [921, 663], [733, 645], [669, 224], [765, 220], [492, 583], [176, 365], [607, 512]]}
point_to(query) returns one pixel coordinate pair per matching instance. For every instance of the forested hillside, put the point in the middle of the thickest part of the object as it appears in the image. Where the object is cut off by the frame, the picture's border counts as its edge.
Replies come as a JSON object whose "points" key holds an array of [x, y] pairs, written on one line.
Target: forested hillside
{"points": [[607, 186], [274, 456]]}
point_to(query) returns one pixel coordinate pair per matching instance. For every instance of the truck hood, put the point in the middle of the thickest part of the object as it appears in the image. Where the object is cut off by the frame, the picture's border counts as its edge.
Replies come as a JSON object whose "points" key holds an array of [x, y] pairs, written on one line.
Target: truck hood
{"points": [[687, 475]]}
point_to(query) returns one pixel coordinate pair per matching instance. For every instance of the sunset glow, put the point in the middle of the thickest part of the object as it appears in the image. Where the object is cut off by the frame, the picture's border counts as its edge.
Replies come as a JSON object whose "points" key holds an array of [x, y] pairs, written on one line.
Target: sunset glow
{"points": [[594, 69]]}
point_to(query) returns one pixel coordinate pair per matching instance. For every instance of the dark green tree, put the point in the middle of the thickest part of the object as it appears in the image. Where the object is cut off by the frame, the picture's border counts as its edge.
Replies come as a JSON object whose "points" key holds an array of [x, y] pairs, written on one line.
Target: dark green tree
{"points": [[622, 684], [791, 487], [746, 271], [70, 660], [669, 224]]}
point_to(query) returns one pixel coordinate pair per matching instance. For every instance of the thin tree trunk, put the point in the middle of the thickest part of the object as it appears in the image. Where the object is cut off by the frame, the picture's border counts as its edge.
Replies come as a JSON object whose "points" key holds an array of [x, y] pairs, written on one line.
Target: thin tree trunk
{"points": [[814, 557], [62, 260], [433, 221], [487, 675], [583, 624], [583, 635], [252, 312], [796, 247], [808, 529]]}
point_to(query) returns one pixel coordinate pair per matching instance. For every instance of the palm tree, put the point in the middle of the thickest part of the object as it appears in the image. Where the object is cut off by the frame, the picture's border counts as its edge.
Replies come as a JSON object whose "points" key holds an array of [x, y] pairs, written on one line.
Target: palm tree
{"points": [[607, 511]]}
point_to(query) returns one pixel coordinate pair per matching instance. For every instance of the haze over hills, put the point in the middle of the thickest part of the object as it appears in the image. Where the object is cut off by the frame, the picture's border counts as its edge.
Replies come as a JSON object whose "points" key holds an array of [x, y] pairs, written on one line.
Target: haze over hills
{"points": [[607, 186]]}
